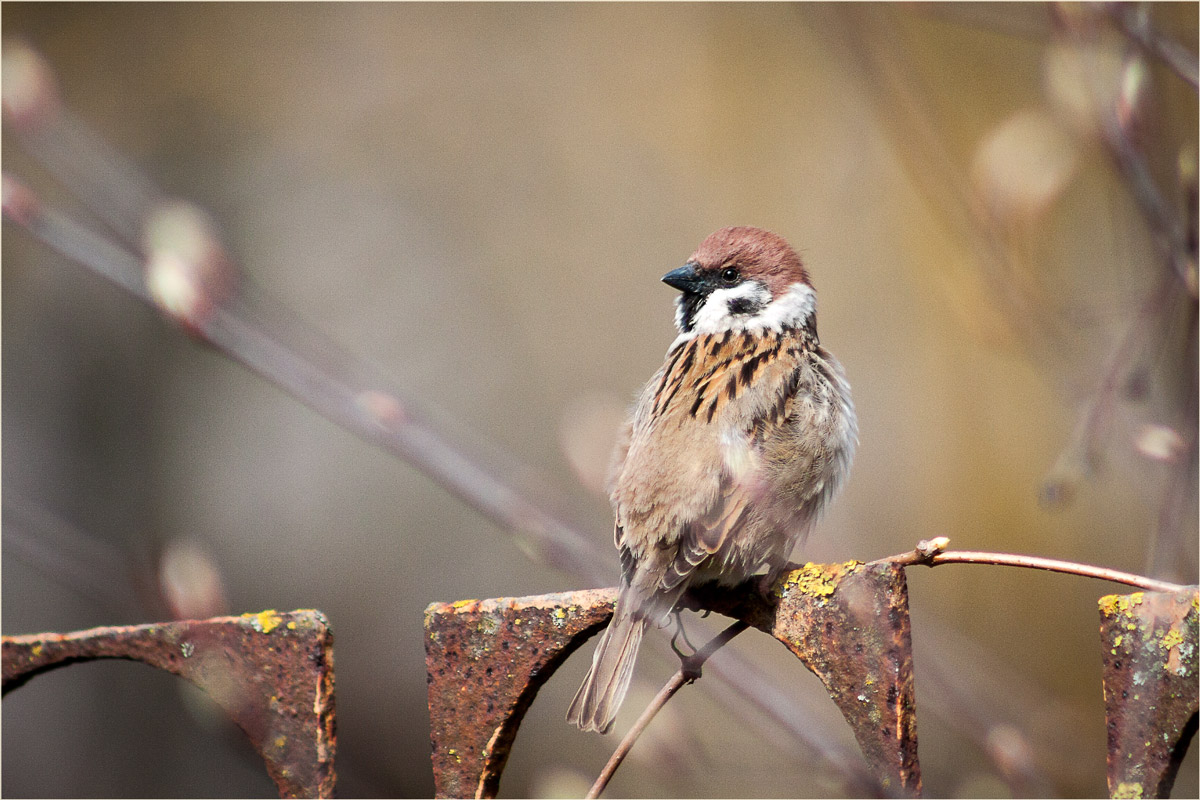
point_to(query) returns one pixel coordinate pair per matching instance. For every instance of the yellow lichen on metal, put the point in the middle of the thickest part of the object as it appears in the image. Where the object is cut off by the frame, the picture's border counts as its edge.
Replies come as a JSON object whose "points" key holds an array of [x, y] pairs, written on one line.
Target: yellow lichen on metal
{"points": [[264, 621], [1179, 651], [1112, 604], [1128, 790], [1173, 638], [820, 580]]}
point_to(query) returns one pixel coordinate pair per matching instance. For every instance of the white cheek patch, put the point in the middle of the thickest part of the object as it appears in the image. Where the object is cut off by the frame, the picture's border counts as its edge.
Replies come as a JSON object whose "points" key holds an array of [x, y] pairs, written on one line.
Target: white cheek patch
{"points": [[715, 316], [792, 309]]}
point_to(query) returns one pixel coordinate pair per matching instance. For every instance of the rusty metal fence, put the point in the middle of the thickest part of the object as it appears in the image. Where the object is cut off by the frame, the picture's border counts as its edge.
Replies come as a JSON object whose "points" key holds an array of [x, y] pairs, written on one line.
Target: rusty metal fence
{"points": [[486, 660]]}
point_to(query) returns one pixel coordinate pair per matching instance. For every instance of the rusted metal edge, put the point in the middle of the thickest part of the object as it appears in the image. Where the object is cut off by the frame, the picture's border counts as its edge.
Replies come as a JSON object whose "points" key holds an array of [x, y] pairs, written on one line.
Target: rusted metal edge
{"points": [[1149, 642], [271, 672], [486, 661], [848, 623]]}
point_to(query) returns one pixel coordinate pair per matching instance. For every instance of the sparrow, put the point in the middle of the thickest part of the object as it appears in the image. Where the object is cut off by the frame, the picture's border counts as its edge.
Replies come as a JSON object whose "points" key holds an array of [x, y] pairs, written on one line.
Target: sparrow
{"points": [[732, 451]]}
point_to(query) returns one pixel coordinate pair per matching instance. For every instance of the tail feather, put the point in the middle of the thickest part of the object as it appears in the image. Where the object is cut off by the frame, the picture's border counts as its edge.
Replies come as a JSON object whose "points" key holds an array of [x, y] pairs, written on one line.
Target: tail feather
{"points": [[596, 703]]}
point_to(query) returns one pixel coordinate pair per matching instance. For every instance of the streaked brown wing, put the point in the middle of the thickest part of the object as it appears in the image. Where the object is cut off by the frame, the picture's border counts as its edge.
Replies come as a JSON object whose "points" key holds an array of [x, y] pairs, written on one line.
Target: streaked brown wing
{"points": [[708, 534]]}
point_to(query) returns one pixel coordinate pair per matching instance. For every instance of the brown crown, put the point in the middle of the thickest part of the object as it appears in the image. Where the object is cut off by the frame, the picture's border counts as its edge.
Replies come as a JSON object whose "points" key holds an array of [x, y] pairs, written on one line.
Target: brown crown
{"points": [[755, 253]]}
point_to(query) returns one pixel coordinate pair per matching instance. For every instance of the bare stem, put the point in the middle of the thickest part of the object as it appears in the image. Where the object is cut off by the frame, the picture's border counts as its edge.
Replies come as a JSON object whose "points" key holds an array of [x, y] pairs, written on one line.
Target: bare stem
{"points": [[688, 672], [932, 553]]}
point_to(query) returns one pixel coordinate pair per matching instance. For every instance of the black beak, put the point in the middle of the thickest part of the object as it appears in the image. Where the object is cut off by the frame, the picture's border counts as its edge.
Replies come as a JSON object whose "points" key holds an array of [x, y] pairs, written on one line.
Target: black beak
{"points": [[685, 279]]}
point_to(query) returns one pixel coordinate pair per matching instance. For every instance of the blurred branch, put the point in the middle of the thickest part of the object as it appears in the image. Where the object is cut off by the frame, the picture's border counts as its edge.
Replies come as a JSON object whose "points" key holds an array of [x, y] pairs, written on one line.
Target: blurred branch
{"points": [[688, 672], [1078, 457], [1118, 120], [932, 552], [257, 333], [1002, 710], [1169, 233], [1125, 132], [179, 265], [75, 559], [890, 76], [1135, 24], [744, 684]]}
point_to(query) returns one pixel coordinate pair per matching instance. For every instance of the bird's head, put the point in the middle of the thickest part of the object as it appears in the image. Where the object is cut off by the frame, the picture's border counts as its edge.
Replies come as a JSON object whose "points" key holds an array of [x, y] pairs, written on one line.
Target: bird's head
{"points": [[742, 279]]}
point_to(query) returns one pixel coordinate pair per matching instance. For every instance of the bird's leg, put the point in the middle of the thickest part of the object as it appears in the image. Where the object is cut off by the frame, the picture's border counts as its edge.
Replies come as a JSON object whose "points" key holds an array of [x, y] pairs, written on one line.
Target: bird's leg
{"points": [[689, 664], [766, 583], [681, 632]]}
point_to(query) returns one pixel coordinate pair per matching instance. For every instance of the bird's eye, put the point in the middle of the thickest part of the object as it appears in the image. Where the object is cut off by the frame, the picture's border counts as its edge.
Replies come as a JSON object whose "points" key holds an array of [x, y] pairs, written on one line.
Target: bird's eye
{"points": [[729, 275]]}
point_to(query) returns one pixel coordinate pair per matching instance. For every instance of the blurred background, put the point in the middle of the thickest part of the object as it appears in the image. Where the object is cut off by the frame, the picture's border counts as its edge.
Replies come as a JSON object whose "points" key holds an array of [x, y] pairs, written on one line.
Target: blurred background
{"points": [[996, 203]]}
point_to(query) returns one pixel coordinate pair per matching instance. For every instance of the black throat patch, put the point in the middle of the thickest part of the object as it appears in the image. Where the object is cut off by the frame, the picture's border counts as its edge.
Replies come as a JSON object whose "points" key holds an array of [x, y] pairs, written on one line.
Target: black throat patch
{"points": [[689, 304]]}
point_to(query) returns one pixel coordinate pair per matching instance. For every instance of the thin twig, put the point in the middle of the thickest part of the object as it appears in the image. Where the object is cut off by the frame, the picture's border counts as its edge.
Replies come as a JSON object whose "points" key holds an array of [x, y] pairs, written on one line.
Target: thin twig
{"points": [[932, 553], [688, 672]]}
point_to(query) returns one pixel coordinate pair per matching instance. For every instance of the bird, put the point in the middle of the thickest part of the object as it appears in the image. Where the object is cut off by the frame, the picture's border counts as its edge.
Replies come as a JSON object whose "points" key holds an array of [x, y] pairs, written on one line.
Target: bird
{"points": [[731, 452]]}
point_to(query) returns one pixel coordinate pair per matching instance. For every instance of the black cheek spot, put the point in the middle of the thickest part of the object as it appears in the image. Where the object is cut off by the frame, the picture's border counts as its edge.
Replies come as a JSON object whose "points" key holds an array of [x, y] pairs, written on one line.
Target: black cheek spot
{"points": [[743, 305]]}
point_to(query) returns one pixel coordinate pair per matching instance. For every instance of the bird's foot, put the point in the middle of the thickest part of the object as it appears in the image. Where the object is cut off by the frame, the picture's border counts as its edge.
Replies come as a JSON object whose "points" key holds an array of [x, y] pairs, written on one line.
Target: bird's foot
{"points": [[680, 632]]}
